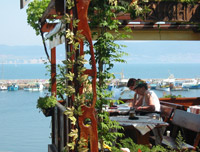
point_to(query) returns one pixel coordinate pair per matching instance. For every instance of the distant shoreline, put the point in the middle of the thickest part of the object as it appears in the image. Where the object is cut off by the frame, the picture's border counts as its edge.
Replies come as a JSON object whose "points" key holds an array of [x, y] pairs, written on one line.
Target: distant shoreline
{"points": [[22, 83]]}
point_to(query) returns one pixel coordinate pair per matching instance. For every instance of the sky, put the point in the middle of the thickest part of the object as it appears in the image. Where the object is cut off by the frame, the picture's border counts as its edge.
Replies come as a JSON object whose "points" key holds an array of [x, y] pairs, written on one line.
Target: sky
{"points": [[14, 29], [17, 38]]}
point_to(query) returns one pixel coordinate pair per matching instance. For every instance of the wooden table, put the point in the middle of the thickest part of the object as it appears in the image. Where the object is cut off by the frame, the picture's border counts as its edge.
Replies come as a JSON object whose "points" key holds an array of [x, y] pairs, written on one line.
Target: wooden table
{"points": [[139, 129]]}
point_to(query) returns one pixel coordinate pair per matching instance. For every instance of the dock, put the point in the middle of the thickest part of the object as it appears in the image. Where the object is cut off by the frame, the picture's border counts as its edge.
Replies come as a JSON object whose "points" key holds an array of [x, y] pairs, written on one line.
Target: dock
{"points": [[23, 83]]}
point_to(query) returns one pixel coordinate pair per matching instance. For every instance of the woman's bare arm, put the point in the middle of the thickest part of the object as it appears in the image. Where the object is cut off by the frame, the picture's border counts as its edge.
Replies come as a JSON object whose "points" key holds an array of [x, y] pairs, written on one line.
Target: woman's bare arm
{"points": [[149, 102]]}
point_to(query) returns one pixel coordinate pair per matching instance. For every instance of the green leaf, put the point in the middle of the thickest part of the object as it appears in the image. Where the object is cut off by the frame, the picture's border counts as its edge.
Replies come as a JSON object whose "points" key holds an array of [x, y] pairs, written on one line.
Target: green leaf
{"points": [[74, 134], [71, 145]]}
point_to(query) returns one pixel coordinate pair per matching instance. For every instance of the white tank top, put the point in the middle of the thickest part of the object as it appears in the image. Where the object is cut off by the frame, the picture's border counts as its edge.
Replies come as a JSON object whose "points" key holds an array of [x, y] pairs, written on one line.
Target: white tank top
{"points": [[156, 101]]}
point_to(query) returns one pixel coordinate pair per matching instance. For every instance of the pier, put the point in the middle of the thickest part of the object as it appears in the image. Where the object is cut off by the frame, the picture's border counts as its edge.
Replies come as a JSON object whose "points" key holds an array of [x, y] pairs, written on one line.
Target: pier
{"points": [[23, 83]]}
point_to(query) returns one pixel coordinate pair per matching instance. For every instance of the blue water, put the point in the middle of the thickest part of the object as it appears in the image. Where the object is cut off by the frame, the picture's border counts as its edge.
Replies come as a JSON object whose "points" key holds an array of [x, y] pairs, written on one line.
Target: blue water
{"points": [[24, 129], [143, 71], [23, 71]]}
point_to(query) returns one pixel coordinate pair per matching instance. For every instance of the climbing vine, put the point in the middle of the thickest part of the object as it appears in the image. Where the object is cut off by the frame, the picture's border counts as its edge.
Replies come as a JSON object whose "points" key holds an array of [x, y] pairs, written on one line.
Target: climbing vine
{"points": [[34, 12], [78, 99], [107, 53]]}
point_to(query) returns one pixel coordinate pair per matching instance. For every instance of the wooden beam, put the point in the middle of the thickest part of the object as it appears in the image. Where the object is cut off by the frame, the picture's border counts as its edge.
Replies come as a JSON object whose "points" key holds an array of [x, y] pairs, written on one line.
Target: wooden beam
{"points": [[47, 27], [160, 26], [50, 9], [164, 35], [166, 11], [53, 71], [152, 31]]}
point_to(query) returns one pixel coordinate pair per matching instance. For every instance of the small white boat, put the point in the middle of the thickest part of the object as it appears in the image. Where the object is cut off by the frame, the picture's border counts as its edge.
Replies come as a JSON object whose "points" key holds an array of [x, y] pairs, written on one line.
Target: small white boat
{"points": [[37, 87], [3, 87], [162, 88], [179, 89]]}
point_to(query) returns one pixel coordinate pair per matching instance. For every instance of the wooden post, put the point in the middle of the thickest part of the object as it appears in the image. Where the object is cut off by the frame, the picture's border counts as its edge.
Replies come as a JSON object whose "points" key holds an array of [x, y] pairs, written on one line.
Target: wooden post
{"points": [[53, 71], [53, 87]]}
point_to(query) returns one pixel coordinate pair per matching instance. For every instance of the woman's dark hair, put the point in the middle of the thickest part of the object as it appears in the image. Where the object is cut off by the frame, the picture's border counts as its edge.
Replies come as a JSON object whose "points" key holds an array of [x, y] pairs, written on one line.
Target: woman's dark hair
{"points": [[142, 85], [131, 82]]}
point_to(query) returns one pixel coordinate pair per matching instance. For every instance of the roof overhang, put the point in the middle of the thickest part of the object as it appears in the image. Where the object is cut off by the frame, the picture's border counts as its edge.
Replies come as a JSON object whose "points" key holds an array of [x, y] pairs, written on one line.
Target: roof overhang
{"points": [[167, 21]]}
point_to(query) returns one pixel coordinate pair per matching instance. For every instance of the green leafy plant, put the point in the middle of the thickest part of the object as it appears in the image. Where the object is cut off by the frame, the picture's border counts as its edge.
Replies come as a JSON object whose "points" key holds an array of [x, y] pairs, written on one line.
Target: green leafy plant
{"points": [[107, 53], [180, 141], [128, 143], [46, 102], [138, 9], [172, 96], [34, 12]]}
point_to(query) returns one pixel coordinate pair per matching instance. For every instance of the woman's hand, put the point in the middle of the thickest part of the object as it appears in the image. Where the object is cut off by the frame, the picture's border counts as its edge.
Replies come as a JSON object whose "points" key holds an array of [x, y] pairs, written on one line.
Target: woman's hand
{"points": [[139, 108]]}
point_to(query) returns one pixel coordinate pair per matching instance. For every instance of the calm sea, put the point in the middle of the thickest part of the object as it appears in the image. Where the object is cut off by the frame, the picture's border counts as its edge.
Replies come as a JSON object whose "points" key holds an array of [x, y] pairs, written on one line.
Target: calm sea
{"points": [[23, 71], [143, 71], [24, 129]]}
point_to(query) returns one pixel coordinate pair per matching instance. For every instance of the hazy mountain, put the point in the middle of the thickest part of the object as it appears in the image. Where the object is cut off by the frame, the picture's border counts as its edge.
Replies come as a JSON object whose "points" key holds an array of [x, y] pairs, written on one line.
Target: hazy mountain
{"points": [[24, 54], [139, 52], [163, 51]]}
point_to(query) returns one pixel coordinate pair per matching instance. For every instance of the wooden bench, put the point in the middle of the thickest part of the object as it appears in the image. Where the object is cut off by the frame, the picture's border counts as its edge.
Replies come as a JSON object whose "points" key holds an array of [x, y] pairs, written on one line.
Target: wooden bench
{"points": [[166, 112], [183, 120], [173, 105]]}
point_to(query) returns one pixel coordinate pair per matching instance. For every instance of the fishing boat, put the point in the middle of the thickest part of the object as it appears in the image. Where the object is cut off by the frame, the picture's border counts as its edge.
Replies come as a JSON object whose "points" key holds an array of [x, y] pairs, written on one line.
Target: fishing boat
{"points": [[162, 88], [37, 87], [190, 84], [152, 86], [3, 87], [165, 84], [179, 89], [13, 87]]}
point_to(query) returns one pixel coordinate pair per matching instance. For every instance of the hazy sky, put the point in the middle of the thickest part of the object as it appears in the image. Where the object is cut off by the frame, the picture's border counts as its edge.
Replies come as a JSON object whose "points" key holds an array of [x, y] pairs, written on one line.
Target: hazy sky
{"points": [[15, 31]]}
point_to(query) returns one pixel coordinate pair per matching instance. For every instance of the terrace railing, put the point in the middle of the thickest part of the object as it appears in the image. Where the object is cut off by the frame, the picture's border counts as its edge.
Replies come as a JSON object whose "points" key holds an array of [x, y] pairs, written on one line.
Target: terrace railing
{"points": [[60, 128]]}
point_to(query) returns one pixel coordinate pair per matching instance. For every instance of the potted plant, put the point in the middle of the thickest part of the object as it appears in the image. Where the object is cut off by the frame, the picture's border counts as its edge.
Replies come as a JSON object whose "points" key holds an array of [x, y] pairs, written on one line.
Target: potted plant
{"points": [[46, 105]]}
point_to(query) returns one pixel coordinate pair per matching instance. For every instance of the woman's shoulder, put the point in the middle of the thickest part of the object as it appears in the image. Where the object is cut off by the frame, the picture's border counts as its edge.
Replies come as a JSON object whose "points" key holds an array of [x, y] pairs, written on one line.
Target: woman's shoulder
{"points": [[149, 93]]}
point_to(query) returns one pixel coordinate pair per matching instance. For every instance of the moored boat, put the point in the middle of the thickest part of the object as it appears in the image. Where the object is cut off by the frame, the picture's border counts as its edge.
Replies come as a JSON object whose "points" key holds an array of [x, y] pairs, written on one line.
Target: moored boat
{"points": [[190, 84], [152, 86], [3, 87], [179, 89], [13, 87], [37, 87], [162, 88]]}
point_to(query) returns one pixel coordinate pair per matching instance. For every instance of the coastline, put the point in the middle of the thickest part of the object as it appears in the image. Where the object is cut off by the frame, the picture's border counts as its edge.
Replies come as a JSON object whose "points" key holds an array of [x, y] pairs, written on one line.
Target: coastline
{"points": [[23, 83]]}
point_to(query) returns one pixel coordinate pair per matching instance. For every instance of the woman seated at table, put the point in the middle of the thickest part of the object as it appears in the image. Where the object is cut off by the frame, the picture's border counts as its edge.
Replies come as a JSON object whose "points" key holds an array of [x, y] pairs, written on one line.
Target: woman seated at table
{"points": [[148, 100], [137, 100]]}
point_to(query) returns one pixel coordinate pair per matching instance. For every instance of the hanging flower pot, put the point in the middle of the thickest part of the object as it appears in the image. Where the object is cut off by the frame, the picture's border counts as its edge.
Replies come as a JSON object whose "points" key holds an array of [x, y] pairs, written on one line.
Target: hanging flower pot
{"points": [[46, 105], [48, 112]]}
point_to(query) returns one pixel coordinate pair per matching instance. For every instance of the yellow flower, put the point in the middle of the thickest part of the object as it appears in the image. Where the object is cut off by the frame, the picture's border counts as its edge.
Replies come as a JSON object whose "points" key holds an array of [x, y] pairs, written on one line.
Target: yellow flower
{"points": [[106, 146]]}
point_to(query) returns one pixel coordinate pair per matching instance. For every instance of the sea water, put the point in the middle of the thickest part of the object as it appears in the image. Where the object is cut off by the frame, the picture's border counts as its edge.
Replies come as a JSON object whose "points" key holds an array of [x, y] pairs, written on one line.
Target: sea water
{"points": [[23, 71], [143, 71], [154, 71], [24, 129]]}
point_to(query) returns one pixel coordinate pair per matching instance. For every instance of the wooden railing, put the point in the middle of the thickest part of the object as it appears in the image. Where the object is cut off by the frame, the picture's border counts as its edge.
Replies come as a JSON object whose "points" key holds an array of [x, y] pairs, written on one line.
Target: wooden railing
{"points": [[186, 102], [59, 129], [60, 124]]}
